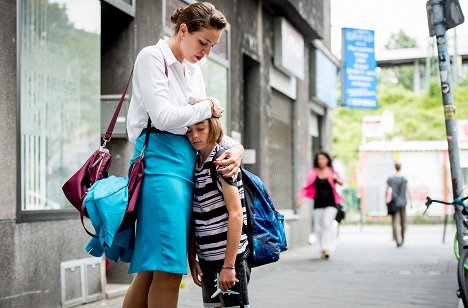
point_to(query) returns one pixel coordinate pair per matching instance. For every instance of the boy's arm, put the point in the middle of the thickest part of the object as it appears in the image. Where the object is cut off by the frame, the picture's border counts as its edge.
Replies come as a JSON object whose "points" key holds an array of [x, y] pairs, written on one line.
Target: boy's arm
{"points": [[195, 269], [234, 231]]}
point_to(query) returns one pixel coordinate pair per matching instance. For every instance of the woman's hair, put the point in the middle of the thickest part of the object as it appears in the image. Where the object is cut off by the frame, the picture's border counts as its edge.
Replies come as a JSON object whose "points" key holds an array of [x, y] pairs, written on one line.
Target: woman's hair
{"points": [[216, 130], [324, 154], [198, 16]]}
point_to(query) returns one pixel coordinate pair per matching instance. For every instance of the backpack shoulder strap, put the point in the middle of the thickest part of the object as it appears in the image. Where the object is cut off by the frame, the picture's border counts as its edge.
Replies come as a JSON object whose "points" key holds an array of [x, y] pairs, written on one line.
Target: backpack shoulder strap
{"points": [[213, 172]]}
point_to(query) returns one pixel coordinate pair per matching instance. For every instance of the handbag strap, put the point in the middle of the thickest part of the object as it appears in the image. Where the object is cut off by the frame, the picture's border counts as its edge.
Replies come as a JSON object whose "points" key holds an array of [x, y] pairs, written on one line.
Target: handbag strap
{"points": [[110, 128], [148, 126], [82, 222]]}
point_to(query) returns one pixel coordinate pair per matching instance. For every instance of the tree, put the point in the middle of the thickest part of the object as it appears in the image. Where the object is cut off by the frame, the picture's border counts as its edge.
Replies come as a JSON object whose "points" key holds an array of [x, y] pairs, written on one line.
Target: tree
{"points": [[400, 40], [419, 117], [400, 75]]}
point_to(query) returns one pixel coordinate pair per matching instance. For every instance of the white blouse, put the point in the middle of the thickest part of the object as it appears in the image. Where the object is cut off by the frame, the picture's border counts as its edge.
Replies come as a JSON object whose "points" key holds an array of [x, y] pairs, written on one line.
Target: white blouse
{"points": [[163, 98]]}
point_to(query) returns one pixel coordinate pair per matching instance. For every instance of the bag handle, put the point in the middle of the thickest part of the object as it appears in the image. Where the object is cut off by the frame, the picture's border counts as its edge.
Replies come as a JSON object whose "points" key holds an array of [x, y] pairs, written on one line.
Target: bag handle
{"points": [[148, 126], [82, 222], [110, 128]]}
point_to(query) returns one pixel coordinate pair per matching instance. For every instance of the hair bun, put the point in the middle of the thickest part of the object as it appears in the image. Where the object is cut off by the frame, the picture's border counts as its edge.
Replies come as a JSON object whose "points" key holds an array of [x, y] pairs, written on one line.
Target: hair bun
{"points": [[176, 14]]}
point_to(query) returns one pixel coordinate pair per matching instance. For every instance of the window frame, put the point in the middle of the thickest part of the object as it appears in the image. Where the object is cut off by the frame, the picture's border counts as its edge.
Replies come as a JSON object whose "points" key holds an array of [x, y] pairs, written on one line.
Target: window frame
{"points": [[27, 216], [124, 6]]}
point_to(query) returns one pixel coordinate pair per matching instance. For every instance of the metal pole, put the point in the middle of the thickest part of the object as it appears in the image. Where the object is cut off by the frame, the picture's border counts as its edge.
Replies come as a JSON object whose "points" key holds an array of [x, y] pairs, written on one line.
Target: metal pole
{"points": [[455, 57], [451, 129], [447, 96]]}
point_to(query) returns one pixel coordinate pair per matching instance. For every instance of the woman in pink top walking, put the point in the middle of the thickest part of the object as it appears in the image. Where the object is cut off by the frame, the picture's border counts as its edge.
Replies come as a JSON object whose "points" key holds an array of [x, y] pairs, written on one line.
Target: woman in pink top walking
{"points": [[321, 187]]}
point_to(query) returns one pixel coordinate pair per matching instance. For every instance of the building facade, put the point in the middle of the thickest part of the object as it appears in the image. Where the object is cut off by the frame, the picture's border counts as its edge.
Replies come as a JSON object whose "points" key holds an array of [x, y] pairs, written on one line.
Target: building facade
{"points": [[64, 66]]}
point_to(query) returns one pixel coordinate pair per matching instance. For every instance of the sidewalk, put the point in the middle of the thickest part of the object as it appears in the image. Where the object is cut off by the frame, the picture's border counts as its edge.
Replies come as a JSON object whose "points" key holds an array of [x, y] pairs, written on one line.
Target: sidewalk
{"points": [[367, 270]]}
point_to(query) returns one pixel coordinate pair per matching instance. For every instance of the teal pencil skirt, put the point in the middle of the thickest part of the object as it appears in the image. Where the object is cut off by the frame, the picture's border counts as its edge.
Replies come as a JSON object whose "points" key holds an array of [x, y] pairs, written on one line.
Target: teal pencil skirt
{"points": [[164, 204]]}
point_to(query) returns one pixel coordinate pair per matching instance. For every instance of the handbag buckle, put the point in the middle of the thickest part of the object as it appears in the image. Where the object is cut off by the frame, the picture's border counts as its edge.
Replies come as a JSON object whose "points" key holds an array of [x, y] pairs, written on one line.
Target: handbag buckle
{"points": [[105, 142]]}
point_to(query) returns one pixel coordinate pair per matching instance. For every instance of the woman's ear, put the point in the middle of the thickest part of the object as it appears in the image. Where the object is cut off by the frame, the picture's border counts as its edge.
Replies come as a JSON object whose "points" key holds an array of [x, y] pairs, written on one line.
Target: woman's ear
{"points": [[183, 29]]}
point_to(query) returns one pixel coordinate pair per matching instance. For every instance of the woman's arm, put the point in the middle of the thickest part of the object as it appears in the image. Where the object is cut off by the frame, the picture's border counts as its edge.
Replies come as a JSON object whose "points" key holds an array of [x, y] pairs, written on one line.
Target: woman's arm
{"points": [[230, 161], [310, 181], [336, 177], [232, 200], [154, 87]]}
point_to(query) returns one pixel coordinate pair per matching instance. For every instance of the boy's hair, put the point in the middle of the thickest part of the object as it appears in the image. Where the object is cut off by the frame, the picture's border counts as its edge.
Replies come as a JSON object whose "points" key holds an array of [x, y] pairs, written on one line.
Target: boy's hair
{"points": [[216, 130]]}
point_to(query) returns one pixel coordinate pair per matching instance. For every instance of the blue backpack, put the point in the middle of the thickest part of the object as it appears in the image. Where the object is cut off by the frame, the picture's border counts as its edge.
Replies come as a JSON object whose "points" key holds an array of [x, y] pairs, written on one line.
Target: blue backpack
{"points": [[265, 226]]}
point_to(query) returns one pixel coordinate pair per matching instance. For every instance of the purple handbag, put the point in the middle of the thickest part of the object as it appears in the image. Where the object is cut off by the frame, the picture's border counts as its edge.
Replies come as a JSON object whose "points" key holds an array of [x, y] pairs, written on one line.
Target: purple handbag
{"points": [[96, 168]]}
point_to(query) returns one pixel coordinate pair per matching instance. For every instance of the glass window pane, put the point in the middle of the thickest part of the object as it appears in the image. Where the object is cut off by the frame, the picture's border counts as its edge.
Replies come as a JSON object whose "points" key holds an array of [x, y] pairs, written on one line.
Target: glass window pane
{"points": [[59, 95], [216, 83]]}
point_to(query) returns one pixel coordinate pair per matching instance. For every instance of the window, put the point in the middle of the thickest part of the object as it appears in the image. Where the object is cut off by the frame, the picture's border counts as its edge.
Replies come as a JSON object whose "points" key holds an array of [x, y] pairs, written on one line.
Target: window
{"points": [[59, 96], [216, 84]]}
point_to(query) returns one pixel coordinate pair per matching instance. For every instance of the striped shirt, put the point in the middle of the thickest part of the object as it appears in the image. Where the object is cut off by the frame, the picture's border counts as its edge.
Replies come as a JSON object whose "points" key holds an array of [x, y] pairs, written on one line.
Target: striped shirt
{"points": [[210, 213]]}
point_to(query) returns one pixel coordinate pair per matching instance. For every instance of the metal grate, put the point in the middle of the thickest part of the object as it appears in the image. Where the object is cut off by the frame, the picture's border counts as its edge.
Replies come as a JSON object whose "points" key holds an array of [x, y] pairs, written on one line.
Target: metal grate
{"points": [[73, 285], [82, 281], [94, 280], [280, 151]]}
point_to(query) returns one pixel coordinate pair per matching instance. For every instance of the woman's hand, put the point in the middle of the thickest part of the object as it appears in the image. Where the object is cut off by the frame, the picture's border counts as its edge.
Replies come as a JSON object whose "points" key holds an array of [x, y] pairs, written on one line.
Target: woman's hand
{"points": [[230, 161], [337, 179], [216, 108]]}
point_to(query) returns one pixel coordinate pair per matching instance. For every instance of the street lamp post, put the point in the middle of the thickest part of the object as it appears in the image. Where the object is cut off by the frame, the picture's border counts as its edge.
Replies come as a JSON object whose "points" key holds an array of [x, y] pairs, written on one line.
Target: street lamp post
{"points": [[443, 15]]}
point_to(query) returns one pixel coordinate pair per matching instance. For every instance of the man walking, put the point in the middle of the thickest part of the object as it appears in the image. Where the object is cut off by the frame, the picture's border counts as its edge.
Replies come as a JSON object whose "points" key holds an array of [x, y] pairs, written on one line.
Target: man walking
{"points": [[397, 192]]}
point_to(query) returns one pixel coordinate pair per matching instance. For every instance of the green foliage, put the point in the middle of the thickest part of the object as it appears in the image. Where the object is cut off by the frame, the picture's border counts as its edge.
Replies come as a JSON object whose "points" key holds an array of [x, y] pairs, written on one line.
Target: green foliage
{"points": [[389, 77], [398, 75], [400, 40], [417, 117]]}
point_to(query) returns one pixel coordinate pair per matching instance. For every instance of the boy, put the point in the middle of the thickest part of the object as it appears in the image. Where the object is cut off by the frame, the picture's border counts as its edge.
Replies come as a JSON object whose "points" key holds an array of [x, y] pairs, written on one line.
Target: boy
{"points": [[218, 239]]}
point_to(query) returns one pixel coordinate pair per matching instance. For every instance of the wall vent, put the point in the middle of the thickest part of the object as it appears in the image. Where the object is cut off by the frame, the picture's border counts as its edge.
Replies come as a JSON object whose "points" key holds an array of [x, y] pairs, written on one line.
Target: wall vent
{"points": [[82, 281]]}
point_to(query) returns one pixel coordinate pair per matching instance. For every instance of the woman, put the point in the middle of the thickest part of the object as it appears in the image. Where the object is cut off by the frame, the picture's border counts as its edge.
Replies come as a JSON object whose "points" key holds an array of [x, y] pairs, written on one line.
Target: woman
{"points": [[166, 78], [321, 188]]}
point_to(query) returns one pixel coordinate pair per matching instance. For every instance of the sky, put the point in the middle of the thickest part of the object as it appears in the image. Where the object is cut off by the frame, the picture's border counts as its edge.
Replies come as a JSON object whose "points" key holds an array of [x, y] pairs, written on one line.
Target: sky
{"points": [[386, 17]]}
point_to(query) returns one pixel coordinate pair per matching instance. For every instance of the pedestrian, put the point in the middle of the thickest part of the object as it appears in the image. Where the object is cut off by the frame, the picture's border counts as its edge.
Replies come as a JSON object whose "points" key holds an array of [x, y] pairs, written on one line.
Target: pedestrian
{"points": [[218, 238], [166, 78], [321, 187], [397, 192]]}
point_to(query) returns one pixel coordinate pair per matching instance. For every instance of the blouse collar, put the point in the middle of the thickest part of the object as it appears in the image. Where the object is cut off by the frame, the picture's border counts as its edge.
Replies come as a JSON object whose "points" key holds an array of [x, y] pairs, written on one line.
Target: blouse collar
{"points": [[171, 59]]}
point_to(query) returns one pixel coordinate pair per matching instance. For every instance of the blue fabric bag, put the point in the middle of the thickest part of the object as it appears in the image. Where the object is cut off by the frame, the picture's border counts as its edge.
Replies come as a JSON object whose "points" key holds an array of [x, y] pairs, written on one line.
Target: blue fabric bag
{"points": [[106, 204], [265, 226]]}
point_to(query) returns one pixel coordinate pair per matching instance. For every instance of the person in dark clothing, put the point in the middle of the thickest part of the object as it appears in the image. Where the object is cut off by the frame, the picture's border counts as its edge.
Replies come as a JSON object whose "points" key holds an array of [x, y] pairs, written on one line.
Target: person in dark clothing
{"points": [[397, 192]]}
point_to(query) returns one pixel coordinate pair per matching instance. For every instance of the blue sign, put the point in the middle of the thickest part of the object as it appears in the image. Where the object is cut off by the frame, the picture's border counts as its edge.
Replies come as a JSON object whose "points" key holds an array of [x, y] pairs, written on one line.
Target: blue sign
{"points": [[359, 87], [325, 80]]}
